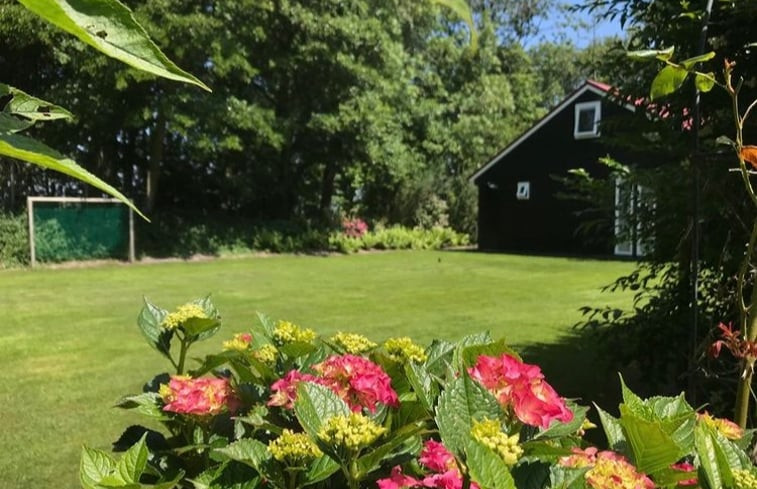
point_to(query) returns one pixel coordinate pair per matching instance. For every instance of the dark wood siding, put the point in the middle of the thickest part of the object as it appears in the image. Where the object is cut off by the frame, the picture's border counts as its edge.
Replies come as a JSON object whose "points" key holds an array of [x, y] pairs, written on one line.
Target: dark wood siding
{"points": [[544, 223]]}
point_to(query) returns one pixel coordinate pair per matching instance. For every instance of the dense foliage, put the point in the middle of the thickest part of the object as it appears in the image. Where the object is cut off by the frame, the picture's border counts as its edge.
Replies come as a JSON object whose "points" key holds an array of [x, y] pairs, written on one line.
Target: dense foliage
{"points": [[700, 221], [282, 407], [318, 109]]}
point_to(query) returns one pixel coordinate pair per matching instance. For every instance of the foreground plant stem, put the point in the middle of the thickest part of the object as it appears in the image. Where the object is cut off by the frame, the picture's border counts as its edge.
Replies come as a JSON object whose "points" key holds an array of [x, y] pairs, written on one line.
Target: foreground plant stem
{"points": [[747, 311]]}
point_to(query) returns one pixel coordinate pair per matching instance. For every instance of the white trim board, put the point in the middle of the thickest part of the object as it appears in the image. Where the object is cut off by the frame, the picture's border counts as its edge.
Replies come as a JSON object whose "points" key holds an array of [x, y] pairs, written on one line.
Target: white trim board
{"points": [[586, 87]]}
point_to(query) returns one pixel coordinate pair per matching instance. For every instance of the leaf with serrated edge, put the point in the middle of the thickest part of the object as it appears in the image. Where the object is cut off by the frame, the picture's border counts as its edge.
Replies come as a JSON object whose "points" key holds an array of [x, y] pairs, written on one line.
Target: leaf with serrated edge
{"points": [[30, 150], [109, 26], [464, 401], [94, 466], [133, 462], [612, 428], [486, 468], [652, 448], [315, 404], [149, 321]]}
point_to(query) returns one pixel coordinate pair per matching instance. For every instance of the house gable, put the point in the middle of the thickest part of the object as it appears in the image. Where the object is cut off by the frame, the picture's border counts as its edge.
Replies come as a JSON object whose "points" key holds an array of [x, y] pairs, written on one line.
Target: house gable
{"points": [[589, 92]]}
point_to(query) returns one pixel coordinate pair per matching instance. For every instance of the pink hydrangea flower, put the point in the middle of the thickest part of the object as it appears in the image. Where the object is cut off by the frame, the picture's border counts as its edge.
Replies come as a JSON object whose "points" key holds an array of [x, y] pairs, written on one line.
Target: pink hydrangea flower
{"points": [[521, 387], [686, 467], [285, 389], [444, 471], [359, 381], [436, 457], [200, 397], [397, 480], [354, 228]]}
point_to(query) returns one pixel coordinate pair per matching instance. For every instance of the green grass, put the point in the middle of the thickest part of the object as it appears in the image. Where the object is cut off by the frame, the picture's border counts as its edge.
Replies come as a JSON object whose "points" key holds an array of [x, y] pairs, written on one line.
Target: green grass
{"points": [[70, 346]]}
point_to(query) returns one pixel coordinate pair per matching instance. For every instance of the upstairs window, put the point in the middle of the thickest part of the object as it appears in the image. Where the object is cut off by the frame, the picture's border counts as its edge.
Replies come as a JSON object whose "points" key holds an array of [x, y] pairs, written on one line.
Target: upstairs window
{"points": [[587, 117]]}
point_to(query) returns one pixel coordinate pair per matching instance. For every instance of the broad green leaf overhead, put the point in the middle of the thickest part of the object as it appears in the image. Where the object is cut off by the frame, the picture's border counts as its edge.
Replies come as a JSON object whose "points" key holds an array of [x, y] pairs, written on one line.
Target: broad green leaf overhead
{"points": [[645, 54], [110, 27], [462, 10], [28, 149], [24, 105], [667, 81]]}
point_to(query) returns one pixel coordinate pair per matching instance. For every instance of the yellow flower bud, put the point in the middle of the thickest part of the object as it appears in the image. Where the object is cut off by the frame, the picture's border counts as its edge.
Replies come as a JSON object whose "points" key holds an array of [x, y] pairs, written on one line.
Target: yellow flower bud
{"points": [[286, 332], [403, 349], [489, 433], [294, 449], [353, 431], [353, 343], [181, 315]]}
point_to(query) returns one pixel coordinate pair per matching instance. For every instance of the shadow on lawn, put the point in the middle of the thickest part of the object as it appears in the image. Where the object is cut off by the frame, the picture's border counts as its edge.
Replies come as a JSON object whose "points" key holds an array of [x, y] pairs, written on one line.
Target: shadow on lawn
{"points": [[578, 366]]}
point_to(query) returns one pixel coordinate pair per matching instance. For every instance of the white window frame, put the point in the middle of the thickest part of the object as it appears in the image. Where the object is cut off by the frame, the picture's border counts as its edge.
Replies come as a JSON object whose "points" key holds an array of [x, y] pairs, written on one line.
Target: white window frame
{"points": [[523, 190], [597, 106], [633, 246]]}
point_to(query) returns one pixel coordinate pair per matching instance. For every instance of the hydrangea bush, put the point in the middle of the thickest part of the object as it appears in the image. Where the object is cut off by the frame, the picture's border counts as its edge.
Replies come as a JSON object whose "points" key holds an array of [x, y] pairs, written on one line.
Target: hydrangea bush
{"points": [[281, 407]]}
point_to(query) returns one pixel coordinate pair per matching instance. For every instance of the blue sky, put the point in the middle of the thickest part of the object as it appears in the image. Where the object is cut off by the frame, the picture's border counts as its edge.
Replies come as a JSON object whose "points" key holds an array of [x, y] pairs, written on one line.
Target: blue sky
{"points": [[556, 27]]}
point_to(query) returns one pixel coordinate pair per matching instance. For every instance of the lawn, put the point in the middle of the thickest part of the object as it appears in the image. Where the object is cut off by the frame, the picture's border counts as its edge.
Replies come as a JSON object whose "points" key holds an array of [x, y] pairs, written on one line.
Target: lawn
{"points": [[71, 347]]}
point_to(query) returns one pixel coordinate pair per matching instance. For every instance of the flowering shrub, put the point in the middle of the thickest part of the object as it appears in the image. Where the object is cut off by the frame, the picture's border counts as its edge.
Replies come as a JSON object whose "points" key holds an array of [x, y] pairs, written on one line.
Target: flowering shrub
{"points": [[354, 228], [280, 407]]}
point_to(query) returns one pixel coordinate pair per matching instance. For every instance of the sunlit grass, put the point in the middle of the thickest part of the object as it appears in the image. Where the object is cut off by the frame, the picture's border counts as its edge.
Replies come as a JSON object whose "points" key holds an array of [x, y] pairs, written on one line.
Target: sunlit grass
{"points": [[70, 346]]}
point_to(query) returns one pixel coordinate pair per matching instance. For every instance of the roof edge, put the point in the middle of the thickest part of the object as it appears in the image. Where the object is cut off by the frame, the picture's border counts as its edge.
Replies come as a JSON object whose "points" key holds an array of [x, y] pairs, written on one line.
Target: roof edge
{"points": [[588, 86]]}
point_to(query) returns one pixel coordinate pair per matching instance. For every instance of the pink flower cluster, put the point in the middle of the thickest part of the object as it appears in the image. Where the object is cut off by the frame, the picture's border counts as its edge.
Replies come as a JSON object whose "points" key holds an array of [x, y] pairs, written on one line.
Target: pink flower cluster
{"points": [[435, 457], [200, 397], [686, 467], [357, 380], [521, 387], [354, 228]]}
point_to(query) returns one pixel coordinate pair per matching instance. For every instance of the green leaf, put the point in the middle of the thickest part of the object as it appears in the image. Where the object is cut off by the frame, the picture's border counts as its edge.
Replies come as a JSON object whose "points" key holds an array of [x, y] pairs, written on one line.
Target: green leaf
{"points": [[146, 404], [439, 355], [652, 449], [28, 149], [689, 63], [708, 457], [567, 478], [133, 462], [559, 430], [463, 10], [94, 466], [199, 326], [268, 324], [704, 82], [149, 322], [321, 469], [316, 404], [464, 401], [646, 54], [372, 461], [32, 108], [110, 27], [297, 349], [531, 475], [425, 387], [255, 454], [10, 124], [486, 468], [169, 484], [613, 430], [498, 348], [667, 81]]}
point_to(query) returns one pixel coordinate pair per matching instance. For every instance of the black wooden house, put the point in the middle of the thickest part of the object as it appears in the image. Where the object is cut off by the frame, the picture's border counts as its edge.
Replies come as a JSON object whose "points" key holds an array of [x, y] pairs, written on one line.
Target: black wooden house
{"points": [[518, 205]]}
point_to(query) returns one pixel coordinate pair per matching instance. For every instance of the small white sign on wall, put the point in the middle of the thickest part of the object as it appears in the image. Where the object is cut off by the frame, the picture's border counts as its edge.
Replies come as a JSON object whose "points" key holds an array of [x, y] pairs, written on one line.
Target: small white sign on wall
{"points": [[523, 191]]}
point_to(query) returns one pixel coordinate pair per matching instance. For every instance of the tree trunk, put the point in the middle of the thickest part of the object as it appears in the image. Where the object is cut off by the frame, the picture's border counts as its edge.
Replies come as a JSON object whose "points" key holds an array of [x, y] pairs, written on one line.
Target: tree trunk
{"points": [[156, 158]]}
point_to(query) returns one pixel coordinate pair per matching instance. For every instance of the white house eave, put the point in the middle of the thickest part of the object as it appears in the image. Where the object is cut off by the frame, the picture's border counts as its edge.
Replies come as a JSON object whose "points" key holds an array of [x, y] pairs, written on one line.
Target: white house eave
{"points": [[565, 103]]}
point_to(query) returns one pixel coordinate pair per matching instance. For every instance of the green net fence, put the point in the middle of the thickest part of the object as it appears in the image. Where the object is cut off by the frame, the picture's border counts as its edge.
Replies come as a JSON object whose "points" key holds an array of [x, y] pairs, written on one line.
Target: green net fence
{"points": [[66, 231]]}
